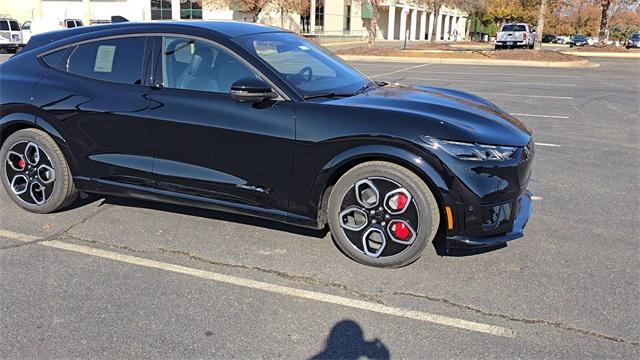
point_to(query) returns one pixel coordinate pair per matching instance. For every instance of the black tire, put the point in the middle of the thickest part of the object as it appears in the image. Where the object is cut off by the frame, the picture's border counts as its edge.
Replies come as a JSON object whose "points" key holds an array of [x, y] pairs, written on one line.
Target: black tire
{"points": [[497, 47], [61, 190], [422, 212]]}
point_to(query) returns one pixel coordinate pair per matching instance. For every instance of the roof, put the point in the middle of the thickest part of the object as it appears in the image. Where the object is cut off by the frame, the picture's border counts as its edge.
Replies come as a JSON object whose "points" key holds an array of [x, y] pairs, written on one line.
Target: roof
{"points": [[225, 28]]}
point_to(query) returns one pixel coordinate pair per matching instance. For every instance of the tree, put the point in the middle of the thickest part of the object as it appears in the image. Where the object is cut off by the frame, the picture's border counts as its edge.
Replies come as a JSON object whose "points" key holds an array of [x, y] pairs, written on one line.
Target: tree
{"points": [[604, 19], [540, 26]]}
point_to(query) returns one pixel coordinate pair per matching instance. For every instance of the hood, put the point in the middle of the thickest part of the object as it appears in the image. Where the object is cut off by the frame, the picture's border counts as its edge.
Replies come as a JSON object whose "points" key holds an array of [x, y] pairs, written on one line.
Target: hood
{"points": [[467, 117]]}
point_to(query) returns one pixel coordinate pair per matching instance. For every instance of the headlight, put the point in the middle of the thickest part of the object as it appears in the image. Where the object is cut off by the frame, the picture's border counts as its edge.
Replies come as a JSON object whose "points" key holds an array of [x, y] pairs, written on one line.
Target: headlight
{"points": [[470, 151]]}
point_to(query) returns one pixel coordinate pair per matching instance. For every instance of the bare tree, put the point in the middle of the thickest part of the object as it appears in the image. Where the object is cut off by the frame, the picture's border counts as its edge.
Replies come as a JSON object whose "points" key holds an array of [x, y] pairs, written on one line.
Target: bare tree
{"points": [[604, 20], [537, 45]]}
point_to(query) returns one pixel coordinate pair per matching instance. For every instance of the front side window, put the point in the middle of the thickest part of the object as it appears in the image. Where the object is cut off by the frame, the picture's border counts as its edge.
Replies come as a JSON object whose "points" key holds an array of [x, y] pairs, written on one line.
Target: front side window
{"points": [[26, 25], [302, 64], [114, 60], [70, 24], [190, 64]]}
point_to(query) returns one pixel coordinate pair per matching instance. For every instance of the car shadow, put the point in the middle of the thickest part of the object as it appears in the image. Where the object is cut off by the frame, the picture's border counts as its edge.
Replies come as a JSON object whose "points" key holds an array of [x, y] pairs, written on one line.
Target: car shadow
{"points": [[208, 214], [346, 341], [439, 243]]}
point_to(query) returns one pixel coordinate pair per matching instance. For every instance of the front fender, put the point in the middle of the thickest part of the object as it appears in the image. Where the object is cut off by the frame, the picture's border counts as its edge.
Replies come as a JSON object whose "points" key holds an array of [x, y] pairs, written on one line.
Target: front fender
{"points": [[427, 166]]}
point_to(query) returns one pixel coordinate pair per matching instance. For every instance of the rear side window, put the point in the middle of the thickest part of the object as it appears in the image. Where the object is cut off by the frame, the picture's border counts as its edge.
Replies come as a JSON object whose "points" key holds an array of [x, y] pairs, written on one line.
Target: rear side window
{"points": [[4, 25], [113, 60], [14, 26]]}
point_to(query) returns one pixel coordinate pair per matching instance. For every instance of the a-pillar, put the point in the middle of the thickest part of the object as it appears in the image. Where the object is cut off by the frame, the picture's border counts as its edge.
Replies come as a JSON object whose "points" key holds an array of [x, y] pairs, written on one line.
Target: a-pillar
{"points": [[414, 24], [423, 25], [391, 23]]}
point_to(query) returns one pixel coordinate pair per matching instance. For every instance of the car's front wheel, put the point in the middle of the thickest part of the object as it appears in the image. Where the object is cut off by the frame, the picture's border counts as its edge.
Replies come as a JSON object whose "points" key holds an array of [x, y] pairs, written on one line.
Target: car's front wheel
{"points": [[35, 173], [382, 214]]}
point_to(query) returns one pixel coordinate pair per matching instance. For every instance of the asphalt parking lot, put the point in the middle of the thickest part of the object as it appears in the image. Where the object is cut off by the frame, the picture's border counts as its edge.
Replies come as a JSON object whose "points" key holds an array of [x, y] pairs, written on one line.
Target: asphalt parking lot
{"points": [[114, 278]]}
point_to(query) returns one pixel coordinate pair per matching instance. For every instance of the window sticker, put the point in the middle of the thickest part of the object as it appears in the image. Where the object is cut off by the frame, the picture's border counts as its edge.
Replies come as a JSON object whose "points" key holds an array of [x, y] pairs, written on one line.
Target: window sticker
{"points": [[104, 58]]}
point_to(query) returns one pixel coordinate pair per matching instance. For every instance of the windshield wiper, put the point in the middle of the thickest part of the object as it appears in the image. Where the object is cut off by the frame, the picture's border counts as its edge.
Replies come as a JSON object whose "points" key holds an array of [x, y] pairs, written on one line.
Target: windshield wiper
{"points": [[330, 95]]}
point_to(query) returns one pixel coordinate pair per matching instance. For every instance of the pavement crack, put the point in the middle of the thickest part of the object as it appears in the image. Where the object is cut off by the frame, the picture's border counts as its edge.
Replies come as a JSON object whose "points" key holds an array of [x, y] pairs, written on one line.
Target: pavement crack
{"points": [[102, 243], [555, 324], [58, 234], [281, 274]]}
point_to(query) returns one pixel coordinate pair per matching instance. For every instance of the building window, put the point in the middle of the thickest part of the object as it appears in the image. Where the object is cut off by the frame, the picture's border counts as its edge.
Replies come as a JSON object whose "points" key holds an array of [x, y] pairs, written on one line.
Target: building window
{"points": [[160, 9], [190, 9], [347, 18], [319, 17]]}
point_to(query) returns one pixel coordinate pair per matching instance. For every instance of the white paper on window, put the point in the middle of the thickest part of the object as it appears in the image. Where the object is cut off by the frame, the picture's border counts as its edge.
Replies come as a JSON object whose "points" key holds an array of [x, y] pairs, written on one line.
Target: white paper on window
{"points": [[104, 58]]}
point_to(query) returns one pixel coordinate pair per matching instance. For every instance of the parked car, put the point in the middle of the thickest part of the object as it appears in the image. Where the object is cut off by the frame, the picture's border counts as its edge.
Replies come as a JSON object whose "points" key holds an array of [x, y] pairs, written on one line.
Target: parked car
{"points": [[633, 41], [514, 35], [548, 38], [217, 115], [10, 35], [578, 40], [38, 26], [561, 39]]}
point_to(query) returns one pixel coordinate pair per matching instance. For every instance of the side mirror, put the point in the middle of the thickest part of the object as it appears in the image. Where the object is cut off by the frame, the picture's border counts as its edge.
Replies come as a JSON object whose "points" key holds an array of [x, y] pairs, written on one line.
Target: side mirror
{"points": [[252, 90]]}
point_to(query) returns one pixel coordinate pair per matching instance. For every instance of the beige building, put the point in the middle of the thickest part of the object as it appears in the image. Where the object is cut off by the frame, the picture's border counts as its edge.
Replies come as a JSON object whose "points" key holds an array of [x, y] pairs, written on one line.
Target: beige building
{"points": [[398, 19]]}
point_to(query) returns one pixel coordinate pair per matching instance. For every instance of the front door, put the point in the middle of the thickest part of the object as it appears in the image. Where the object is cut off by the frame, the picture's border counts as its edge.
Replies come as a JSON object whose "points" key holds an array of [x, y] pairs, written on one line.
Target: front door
{"points": [[209, 147]]}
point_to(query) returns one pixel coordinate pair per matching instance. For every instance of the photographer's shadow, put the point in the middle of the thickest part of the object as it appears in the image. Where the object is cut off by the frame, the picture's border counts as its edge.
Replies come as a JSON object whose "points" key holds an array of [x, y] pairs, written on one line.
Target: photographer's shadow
{"points": [[346, 341]]}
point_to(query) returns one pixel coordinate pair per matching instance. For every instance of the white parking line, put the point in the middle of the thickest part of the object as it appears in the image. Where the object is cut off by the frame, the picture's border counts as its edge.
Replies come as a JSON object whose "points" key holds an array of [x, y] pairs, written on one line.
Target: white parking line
{"points": [[400, 70], [487, 81], [495, 74], [272, 288], [528, 96], [542, 116], [549, 145]]}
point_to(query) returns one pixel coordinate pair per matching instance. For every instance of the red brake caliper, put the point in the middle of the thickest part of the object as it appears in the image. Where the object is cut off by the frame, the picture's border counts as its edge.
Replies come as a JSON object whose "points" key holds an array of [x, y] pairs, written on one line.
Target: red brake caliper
{"points": [[401, 201], [401, 231], [21, 164]]}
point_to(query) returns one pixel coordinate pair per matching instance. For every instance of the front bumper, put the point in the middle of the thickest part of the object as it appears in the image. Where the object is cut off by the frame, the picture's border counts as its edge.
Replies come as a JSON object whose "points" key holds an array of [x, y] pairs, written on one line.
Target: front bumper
{"points": [[523, 211]]}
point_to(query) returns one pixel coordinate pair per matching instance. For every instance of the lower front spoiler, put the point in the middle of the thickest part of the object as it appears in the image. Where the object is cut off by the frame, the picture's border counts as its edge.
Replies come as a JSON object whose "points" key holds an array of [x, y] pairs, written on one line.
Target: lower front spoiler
{"points": [[522, 217]]}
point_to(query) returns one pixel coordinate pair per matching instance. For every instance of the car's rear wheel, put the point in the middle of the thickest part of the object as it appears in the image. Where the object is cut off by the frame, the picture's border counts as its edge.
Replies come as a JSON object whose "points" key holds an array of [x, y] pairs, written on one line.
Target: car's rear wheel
{"points": [[382, 214], [35, 173]]}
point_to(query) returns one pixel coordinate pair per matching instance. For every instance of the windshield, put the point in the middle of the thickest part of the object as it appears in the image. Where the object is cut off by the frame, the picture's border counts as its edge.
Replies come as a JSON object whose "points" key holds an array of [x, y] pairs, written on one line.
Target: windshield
{"points": [[513, 27], [308, 68]]}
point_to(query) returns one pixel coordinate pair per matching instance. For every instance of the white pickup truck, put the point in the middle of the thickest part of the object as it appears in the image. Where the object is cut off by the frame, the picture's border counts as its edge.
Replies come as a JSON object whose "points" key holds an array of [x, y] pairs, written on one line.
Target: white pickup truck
{"points": [[515, 35]]}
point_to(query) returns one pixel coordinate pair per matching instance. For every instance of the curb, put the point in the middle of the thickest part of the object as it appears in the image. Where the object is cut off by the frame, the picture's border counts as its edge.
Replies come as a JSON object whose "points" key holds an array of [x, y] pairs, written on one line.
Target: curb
{"points": [[635, 55], [495, 62]]}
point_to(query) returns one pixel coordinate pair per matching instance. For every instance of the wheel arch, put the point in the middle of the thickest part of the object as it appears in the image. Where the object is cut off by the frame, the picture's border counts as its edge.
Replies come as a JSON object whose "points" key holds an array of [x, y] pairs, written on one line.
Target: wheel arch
{"points": [[339, 165], [17, 121]]}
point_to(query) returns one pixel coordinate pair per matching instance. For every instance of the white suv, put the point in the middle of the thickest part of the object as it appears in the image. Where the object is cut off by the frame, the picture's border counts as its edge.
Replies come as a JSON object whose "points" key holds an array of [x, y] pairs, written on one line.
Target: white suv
{"points": [[10, 35]]}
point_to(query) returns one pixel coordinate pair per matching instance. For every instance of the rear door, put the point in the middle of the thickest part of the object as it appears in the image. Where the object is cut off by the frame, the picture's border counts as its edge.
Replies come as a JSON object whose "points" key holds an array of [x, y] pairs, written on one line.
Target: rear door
{"points": [[94, 95], [208, 146]]}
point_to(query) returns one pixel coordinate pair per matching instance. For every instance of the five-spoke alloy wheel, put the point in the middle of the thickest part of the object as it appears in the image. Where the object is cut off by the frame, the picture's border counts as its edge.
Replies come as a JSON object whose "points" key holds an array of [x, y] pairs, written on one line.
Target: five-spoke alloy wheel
{"points": [[382, 214], [35, 173]]}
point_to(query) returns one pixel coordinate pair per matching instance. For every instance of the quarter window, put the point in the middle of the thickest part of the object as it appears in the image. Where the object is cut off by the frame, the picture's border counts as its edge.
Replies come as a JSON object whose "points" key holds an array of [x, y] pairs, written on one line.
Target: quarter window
{"points": [[114, 60], [196, 65]]}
